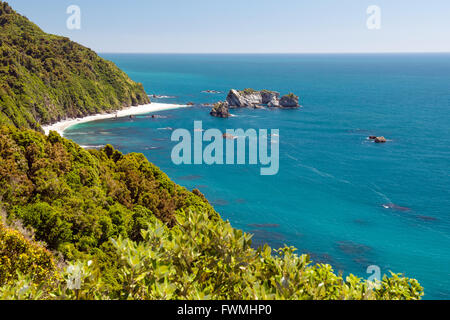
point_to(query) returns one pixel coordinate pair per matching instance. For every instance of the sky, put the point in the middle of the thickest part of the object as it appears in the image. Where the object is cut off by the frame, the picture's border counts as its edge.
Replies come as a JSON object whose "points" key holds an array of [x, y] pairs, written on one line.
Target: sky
{"points": [[247, 26]]}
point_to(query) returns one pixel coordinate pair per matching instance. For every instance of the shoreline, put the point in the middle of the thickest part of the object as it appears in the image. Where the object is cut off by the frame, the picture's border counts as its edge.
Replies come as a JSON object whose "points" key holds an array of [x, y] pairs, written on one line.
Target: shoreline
{"points": [[63, 125]]}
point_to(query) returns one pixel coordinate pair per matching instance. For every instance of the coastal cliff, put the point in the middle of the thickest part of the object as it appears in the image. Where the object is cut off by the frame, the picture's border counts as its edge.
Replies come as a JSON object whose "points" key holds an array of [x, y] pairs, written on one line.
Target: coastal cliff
{"points": [[46, 78]]}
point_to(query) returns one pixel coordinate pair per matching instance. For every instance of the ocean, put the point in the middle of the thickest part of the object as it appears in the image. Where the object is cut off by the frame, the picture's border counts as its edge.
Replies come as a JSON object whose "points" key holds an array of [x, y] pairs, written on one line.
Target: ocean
{"points": [[337, 196]]}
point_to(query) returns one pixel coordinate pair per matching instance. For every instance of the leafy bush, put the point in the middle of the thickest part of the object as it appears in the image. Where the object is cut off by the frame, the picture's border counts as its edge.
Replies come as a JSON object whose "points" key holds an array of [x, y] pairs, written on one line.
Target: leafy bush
{"points": [[76, 200], [204, 259], [248, 91], [19, 255]]}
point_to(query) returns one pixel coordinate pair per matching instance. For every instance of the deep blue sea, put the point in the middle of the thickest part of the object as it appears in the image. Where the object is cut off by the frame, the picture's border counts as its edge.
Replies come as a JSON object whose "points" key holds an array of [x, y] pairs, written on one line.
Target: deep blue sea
{"points": [[327, 199]]}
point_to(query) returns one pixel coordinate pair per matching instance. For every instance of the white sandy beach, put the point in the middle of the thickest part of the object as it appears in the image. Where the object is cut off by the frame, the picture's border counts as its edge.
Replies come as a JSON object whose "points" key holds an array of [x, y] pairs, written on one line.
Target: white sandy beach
{"points": [[61, 126]]}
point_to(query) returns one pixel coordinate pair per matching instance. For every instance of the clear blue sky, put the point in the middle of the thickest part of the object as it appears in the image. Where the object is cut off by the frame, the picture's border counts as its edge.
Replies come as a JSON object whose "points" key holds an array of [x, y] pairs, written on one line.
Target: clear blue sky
{"points": [[247, 26]]}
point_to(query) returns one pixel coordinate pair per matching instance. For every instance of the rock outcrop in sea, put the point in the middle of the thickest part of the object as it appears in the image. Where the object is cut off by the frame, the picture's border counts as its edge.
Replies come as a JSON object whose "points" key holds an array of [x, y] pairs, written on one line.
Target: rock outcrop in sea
{"points": [[250, 98], [289, 101], [220, 110], [380, 140], [377, 139]]}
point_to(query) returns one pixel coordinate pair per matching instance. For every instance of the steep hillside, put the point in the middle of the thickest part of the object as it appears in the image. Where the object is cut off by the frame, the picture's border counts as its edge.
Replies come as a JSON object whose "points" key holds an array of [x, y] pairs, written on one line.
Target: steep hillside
{"points": [[76, 200], [118, 227], [45, 78]]}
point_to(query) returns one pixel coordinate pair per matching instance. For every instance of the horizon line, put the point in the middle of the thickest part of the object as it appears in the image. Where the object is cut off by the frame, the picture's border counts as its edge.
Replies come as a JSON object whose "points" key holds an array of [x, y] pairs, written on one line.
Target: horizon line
{"points": [[282, 53]]}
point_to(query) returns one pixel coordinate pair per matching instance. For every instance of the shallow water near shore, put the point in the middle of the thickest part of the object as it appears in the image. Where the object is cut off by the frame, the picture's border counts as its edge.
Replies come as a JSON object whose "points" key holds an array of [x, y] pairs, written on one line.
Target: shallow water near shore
{"points": [[328, 197]]}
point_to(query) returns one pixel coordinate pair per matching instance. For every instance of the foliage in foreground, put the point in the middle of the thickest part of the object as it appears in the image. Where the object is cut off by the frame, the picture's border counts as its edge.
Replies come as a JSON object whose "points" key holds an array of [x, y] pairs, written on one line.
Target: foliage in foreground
{"points": [[204, 259]]}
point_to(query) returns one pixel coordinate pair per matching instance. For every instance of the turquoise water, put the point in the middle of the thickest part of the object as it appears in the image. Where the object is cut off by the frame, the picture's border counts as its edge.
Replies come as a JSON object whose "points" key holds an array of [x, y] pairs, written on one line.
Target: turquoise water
{"points": [[327, 199]]}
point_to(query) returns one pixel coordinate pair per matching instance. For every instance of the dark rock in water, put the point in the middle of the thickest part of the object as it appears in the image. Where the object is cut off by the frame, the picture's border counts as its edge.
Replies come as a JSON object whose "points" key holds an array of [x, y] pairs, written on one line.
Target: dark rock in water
{"points": [[324, 258], [372, 137], [427, 218], [262, 237], [153, 148], [190, 104], [351, 248], [220, 110], [264, 225], [380, 140], [289, 101], [190, 177], [395, 207], [219, 202], [363, 261]]}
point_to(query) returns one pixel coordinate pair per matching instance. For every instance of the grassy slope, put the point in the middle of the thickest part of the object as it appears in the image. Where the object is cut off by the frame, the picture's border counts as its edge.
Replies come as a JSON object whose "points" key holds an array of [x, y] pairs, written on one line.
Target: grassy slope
{"points": [[45, 78]]}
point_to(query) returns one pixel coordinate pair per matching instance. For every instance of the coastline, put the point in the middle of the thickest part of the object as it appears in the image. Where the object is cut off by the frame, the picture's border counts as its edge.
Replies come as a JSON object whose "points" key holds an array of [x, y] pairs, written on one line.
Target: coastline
{"points": [[63, 125]]}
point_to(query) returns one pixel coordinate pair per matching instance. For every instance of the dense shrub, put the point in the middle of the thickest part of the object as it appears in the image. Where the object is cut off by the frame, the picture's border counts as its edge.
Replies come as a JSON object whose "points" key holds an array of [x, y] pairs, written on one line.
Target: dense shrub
{"points": [[19, 255], [76, 200], [204, 259]]}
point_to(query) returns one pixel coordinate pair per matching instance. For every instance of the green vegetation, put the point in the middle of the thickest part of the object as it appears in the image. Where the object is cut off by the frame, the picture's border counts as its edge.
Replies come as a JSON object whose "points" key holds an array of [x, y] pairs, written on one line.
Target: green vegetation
{"points": [[291, 96], [20, 255], [105, 225], [45, 78], [248, 91], [76, 200]]}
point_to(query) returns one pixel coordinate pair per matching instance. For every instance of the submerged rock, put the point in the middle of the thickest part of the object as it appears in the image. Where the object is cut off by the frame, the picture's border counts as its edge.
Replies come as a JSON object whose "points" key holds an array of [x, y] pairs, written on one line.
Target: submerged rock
{"points": [[264, 225], [427, 218], [352, 248], [220, 110]]}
